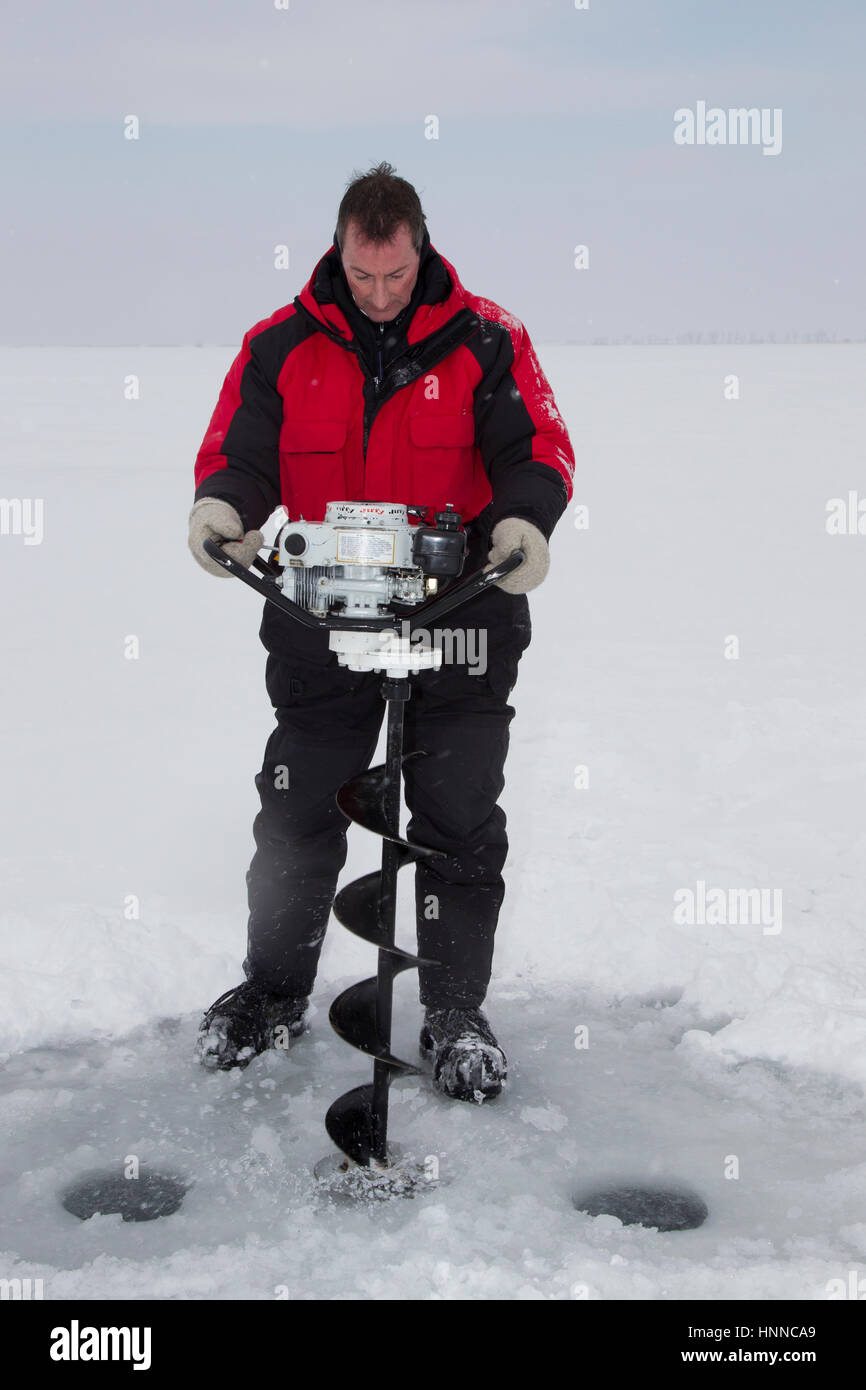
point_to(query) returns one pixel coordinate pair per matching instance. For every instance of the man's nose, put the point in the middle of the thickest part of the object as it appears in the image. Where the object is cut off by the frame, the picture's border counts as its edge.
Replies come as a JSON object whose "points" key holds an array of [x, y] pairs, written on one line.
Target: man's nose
{"points": [[380, 297]]}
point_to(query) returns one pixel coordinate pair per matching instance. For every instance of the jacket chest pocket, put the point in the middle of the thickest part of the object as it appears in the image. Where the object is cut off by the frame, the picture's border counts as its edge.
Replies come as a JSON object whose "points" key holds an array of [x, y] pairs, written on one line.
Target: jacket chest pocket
{"points": [[312, 471], [443, 455]]}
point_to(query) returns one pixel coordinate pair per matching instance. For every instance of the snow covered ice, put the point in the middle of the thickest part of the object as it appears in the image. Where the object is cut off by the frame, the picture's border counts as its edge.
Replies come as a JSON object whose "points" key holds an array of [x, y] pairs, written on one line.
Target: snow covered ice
{"points": [[129, 790]]}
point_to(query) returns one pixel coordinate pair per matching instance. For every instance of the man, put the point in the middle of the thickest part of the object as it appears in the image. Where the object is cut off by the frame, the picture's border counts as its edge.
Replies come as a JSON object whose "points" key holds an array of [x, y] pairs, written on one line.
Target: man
{"points": [[383, 380]]}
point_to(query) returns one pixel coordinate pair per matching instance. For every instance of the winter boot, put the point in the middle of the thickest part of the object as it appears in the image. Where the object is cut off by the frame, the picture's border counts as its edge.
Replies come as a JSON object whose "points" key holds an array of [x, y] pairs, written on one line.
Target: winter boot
{"points": [[468, 1063], [245, 1021]]}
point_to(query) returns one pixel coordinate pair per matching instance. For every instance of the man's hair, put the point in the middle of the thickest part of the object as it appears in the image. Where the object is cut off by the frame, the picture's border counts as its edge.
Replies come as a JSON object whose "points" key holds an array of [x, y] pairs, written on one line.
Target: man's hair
{"points": [[380, 203]]}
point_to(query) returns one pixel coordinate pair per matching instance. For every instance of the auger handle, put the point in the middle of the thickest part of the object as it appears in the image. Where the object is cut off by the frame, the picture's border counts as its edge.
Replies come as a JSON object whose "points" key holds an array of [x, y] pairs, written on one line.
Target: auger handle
{"points": [[475, 584], [434, 608]]}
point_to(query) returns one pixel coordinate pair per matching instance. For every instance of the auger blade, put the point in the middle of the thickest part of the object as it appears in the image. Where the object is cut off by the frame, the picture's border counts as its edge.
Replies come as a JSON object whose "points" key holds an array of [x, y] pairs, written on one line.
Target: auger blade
{"points": [[353, 1018], [356, 907], [349, 1123], [362, 799], [358, 1121]]}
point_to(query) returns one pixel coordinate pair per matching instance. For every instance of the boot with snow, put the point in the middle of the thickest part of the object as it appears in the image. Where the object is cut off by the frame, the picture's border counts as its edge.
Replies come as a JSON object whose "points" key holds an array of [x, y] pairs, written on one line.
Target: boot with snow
{"points": [[468, 1063], [245, 1021]]}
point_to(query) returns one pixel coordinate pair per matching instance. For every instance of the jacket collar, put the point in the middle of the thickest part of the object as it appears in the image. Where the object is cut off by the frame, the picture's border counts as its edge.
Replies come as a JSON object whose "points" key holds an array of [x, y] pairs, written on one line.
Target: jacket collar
{"points": [[437, 297]]}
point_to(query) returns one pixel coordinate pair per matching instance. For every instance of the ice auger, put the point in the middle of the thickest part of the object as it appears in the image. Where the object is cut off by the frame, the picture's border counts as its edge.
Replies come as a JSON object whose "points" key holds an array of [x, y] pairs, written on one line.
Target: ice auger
{"points": [[349, 575]]}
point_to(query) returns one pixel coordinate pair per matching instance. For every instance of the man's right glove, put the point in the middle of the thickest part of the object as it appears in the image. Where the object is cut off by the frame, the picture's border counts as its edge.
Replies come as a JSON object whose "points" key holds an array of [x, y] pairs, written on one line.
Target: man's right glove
{"points": [[212, 519]]}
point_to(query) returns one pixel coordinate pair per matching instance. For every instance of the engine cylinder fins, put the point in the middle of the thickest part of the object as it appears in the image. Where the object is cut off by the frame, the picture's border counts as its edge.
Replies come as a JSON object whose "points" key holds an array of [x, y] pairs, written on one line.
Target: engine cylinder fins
{"points": [[306, 585], [353, 1018], [356, 907], [363, 800]]}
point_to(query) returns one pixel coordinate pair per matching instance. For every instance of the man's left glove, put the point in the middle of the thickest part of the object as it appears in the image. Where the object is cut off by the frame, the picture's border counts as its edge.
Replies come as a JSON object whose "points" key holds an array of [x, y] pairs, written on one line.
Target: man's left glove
{"points": [[513, 533]]}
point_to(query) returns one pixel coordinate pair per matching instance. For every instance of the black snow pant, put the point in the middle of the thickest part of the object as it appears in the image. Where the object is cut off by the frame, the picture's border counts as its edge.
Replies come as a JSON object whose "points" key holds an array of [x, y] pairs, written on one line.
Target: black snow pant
{"points": [[328, 721]]}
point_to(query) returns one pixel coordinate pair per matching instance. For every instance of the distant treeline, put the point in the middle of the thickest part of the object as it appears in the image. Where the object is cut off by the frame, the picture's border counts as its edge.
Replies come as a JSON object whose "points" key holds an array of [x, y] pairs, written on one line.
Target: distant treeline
{"points": [[697, 338]]}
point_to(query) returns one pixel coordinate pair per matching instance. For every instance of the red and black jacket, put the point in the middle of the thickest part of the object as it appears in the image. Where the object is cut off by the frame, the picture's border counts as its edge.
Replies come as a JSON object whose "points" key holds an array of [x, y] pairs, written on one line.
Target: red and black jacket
{"points": [[456, 409]]}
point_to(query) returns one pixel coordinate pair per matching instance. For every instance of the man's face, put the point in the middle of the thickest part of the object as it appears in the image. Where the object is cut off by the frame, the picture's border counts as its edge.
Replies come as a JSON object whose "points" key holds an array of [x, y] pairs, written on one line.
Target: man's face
{"points": [[381, 278]]}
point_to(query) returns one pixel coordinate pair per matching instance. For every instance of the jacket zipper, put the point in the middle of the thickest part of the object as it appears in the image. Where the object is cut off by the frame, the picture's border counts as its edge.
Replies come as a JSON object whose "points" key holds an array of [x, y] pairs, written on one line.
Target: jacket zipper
{"points": [[372, 403], [376, 380]]}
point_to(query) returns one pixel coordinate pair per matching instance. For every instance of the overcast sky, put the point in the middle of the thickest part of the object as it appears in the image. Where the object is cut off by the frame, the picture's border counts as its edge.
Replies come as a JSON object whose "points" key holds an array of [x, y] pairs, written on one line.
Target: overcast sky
{"points": [[556, 129]]}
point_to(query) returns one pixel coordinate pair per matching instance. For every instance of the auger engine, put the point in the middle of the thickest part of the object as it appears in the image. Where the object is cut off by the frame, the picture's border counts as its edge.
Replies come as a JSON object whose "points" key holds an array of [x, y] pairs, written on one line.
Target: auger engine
{"points": [[364, 557]]}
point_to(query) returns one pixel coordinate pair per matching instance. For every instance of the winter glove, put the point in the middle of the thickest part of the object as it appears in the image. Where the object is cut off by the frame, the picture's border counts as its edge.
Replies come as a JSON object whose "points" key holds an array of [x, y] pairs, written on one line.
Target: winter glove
{"points": [[211, 519], [513, 533]]}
